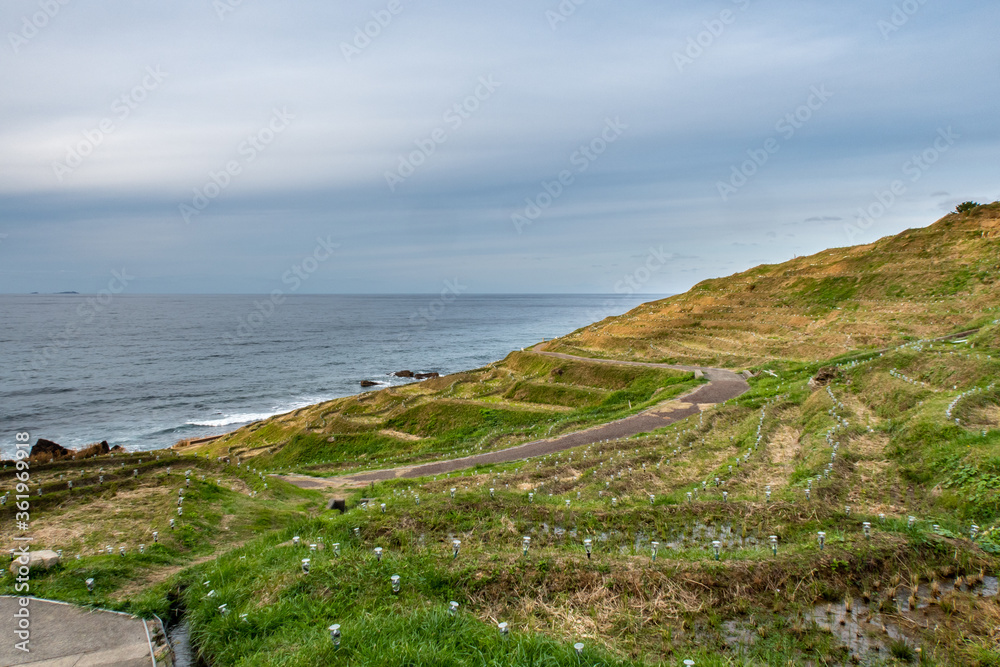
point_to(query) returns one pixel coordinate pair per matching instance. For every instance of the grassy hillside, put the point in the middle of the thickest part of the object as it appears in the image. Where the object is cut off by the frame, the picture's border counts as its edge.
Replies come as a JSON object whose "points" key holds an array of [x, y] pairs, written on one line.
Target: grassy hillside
{"points": [[524, 397], [891, 455], [920, 283]]}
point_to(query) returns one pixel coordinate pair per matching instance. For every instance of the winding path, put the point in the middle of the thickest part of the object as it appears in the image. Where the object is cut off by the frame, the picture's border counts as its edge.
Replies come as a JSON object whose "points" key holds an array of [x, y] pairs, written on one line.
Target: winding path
{"points": [[722, 385]]}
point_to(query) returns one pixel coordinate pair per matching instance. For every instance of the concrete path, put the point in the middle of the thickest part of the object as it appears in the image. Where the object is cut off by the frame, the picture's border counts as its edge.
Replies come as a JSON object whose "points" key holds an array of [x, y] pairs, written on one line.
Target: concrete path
{"points": [[64, 635], [722, 385]]}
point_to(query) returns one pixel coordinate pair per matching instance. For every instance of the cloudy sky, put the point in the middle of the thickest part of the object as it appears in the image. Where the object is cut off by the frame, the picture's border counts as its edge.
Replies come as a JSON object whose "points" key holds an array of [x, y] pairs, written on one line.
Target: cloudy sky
{"points": [[214, 146]]}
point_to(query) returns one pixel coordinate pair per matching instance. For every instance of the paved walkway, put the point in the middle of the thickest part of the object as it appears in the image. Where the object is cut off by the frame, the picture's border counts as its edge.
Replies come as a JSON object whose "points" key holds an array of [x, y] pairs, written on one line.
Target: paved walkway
{"points": [[722, 385], [64, 635]]}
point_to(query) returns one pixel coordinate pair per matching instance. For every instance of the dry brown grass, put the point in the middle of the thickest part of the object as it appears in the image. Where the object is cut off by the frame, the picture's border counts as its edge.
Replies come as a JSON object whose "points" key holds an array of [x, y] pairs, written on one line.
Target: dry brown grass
{"points": [[783, 449]]}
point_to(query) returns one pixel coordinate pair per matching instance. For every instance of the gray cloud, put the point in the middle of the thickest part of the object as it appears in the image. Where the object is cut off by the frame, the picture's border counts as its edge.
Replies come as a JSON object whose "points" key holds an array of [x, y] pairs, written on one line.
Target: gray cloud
{"points": [[356, 119]]}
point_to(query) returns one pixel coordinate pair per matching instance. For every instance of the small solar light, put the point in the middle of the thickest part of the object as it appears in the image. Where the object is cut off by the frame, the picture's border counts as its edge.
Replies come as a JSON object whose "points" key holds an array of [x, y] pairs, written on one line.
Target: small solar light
{"points": [[655, 546], [847, 510], [452, 492], [867, 527], [335, 634], [336, 548], [910, 521], [452, 607], [417, 499], [455, 544], [109, 549], [716, 546], [357, 533], [936, 528], [296, 540], [172, 524], [180, 511], [504, 629], [579, 648], [689, 663], [526, 542], [313, 547], [156, 536], [808, 494], [881, 517], [588, 544], [383, 508], [305, 566], [614, 502], [973, 532], [395, 583], [90, 585], [243, 618], [142, 548], [690, 497], [223, 609], [822, 539], [725, 496], [567, 502], [378, 554], [531, 497], [774, 544], [652, 499]]}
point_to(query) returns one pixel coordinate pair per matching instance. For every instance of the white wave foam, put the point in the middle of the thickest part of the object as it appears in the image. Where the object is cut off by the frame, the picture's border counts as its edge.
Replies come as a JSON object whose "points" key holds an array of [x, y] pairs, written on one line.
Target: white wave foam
{"points": [[228, 420], [248, 417]]}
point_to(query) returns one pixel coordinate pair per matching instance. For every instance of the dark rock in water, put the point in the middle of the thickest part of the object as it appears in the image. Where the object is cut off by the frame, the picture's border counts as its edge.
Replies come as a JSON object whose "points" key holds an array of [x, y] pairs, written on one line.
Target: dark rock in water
{"points": [[368, 383], [337, 504], [53, 449], [105, 448], [403, 374], [426, 376], [117, 448]]}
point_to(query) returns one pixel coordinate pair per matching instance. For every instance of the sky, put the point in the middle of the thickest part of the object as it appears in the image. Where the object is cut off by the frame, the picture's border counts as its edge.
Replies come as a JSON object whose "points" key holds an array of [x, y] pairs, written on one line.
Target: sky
{"points": [[392, 146]]}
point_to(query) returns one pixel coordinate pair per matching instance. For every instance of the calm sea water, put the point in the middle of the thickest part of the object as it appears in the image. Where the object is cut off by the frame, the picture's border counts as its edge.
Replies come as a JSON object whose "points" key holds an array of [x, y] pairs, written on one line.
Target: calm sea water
{"points": [[146, 371]]}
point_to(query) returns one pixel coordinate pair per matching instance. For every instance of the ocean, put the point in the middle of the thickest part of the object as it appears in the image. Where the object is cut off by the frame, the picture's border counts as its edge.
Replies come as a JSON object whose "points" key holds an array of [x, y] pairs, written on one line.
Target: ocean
{"points": [[144, 371]]}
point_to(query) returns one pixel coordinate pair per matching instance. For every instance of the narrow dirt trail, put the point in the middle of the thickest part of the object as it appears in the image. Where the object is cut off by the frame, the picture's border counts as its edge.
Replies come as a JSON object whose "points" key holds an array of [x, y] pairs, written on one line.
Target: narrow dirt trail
{"points": [[722, 385]]}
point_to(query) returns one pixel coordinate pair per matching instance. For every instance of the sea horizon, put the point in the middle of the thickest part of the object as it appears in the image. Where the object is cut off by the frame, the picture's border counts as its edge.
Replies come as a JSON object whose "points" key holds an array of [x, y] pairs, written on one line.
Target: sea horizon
{"points": [[145, 371]]}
